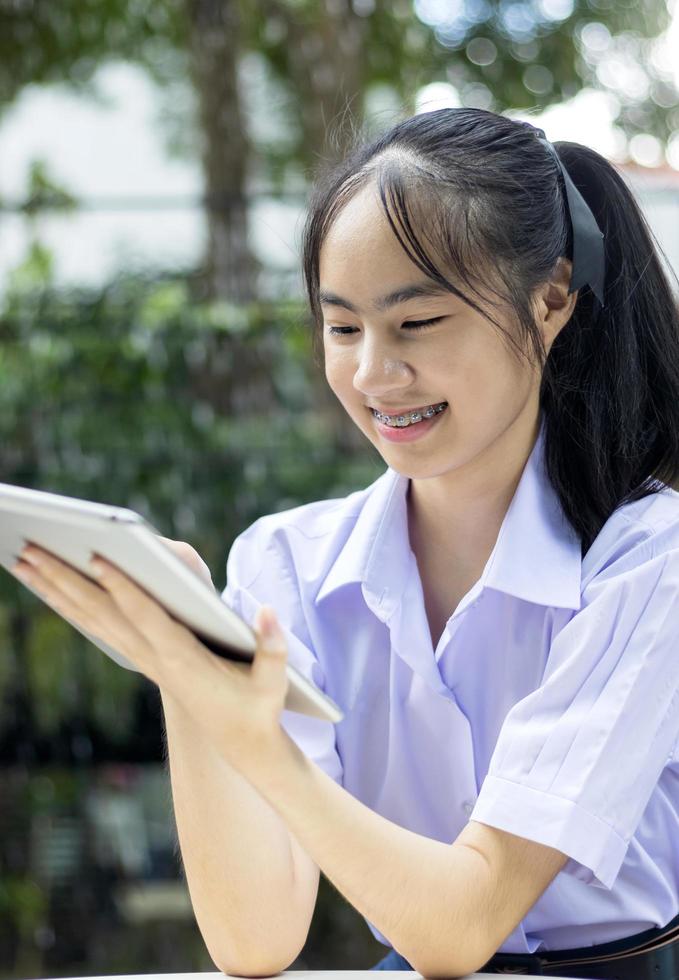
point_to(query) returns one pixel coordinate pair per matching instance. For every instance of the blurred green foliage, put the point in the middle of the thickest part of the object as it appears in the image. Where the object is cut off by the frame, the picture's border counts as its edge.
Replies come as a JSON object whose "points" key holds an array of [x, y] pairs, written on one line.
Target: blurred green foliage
{"points": [[200, 416], [321, 58], [45, 192], [68, 908]]}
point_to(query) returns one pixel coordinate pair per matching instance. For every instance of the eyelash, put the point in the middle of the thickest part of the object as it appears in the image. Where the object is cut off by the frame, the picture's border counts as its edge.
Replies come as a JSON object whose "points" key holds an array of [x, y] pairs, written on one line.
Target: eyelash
{"points": [[411, 324]]}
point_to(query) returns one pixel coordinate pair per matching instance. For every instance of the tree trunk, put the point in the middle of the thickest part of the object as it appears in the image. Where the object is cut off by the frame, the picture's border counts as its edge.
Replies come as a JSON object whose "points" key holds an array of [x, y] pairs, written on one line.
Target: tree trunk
{"points": [[214, 43]]}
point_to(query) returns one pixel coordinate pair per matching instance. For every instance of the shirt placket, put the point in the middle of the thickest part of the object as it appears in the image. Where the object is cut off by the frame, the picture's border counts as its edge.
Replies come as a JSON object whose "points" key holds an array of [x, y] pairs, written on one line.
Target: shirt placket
{"points": [[410, 638]]}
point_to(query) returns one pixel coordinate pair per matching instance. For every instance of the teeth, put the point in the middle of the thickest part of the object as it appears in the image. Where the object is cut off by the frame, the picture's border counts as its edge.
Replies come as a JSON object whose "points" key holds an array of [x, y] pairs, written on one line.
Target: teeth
{"points": [[401, 421]]}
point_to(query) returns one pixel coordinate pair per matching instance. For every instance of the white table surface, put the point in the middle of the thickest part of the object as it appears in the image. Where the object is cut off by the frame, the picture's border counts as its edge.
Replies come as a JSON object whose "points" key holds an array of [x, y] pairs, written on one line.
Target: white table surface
{"points": [[302, 974]]}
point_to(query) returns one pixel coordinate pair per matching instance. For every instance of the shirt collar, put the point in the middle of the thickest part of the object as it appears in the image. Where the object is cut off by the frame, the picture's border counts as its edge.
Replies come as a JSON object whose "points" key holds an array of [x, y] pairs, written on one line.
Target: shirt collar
{"points": [[536, 557]]}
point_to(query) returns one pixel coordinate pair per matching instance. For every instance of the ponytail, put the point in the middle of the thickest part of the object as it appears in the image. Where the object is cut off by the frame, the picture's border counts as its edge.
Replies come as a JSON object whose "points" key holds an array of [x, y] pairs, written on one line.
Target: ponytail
{"points": [[610, 386]]}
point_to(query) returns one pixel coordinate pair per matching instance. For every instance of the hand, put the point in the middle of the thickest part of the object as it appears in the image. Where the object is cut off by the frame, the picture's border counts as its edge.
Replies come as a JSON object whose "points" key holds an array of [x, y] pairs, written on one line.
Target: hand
{"points": [[237, 704], [189, 555]]}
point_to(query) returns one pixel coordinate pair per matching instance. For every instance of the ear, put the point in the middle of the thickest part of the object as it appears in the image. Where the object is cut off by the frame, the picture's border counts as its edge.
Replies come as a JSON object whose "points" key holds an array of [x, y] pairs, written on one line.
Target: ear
{"points": [[553, 304]]}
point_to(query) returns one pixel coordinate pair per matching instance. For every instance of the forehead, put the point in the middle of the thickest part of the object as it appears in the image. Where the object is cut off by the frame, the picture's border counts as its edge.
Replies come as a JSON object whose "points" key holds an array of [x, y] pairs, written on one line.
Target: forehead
{"points": [[361, 246], [362, 261]]}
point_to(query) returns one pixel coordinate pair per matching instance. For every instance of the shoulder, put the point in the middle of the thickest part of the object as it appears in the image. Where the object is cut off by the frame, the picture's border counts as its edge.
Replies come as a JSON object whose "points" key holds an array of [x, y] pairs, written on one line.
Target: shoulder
{"points": [[305, 539], [653, 515], [636, 533]]}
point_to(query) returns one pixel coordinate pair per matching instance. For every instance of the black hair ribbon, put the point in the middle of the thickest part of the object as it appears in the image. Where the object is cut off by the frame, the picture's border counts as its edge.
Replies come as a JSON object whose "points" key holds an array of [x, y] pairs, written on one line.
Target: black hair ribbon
{"points": [[589, 265]]}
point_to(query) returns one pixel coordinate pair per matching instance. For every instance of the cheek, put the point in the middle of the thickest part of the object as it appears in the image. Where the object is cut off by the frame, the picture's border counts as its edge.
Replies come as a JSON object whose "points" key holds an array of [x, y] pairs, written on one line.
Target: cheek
{"points": [[339, 371], [480, 376]]}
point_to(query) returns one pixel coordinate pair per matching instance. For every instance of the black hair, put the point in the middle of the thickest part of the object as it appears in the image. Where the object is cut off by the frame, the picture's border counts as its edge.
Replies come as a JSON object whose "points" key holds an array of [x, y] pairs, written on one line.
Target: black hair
{"points": [[483, 191]]}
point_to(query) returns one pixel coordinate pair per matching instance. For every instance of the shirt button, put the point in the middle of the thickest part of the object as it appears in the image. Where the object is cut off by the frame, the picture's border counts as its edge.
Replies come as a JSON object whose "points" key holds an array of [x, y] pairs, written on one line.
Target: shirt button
{"points": [[467, 807]]}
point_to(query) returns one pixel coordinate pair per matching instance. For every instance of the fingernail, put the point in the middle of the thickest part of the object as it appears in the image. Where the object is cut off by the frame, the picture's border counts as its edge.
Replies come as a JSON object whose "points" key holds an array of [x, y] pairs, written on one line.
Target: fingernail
{"points": [[267, 623], [96, 567]]}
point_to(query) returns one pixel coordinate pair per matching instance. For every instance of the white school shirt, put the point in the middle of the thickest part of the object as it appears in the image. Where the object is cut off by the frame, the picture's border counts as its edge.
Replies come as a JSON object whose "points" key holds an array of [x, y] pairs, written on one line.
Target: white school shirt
{"points": [[549, 708]]}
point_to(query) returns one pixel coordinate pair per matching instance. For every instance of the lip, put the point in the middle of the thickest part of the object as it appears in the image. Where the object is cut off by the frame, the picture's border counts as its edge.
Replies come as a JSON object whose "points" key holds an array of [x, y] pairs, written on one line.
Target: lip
{"points": [[402, 411], [408, 433]]}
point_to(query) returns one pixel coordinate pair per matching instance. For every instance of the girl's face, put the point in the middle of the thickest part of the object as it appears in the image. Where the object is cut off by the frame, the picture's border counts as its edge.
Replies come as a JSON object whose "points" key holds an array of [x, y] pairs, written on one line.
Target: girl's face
{"points": [[376, 357]]}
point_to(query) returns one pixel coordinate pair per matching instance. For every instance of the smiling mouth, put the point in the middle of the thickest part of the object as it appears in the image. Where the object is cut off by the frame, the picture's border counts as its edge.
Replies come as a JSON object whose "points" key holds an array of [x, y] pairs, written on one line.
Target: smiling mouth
{"points": [[409, 418]]}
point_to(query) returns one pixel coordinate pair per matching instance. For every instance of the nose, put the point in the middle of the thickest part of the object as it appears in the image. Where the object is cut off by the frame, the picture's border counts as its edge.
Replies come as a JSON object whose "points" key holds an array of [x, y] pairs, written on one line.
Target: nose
{"points": [[378, 372]]}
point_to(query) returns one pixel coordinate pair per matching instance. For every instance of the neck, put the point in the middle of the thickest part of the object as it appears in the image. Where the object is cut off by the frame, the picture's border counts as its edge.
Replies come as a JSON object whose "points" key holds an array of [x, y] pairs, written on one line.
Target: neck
{"points": [[457, 515]]}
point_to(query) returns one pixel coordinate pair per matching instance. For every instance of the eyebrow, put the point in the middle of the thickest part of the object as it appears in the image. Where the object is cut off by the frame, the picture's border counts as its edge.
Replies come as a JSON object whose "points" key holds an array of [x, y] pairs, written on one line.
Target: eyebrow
{"points": [[424, 288]]}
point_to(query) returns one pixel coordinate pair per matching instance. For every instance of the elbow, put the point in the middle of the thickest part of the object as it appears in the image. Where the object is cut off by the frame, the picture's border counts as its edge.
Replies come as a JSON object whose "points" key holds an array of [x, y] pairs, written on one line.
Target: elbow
{"points": [[438, 964], [260, 955], [264, 962], [264, 971], [264, 967], [447, 967]]}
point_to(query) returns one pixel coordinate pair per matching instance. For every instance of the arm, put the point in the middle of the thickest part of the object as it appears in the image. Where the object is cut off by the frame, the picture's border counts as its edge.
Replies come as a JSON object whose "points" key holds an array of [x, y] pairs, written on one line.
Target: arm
{"points": [[431, 899], [445, 907], [223, 824], [253, 888], [507, 876]]}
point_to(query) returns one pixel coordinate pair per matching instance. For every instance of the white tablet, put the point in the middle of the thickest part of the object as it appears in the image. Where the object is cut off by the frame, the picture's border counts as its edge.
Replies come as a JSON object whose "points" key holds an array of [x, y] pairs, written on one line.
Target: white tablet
{"points": [[74, 529]]}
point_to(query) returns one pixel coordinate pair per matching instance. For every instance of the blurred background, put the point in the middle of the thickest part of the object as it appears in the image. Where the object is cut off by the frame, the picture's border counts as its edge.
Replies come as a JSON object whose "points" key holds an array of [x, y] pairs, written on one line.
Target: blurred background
{"points": [[155, 352]]}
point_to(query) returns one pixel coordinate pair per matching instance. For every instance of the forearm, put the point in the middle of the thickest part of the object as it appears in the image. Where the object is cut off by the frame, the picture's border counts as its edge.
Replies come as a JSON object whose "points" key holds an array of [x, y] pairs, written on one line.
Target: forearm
{"points": [[425, 896], [236, 852]]}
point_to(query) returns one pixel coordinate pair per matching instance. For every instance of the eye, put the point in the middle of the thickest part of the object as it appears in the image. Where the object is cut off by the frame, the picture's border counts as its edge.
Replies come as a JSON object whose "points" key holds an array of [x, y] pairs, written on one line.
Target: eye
{"points": [[410, 324], [421, 324]]}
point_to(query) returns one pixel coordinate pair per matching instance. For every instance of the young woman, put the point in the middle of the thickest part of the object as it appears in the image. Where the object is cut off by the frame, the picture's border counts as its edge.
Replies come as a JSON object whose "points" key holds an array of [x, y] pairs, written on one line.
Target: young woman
{"points": [[497, 614]]}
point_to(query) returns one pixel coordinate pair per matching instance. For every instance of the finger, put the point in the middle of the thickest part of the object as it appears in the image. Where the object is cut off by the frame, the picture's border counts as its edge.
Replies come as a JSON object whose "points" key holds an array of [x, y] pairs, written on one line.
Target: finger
{"points": [[31, 576], [75, 595], [101, 619], [131, 598], [173, 641], [190, 556], [269, 664], [119, 612], [65, 579]]}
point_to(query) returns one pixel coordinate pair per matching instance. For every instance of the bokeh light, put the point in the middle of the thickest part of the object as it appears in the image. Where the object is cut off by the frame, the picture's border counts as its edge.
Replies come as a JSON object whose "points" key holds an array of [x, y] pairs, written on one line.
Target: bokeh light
{"points": [[437, 95], [481, 51], [538, 79], [646, 150], [672, 151]]}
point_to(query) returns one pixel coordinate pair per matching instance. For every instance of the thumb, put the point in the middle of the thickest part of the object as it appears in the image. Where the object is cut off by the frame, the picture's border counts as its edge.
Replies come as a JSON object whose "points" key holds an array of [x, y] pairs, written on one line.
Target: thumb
{"points": [[272, 651]]}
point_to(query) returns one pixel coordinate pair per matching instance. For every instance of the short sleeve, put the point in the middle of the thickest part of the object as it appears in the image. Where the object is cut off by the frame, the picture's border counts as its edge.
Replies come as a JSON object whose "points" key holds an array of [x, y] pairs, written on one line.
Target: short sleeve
{"points": [[258, 572], [577, 760]]}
